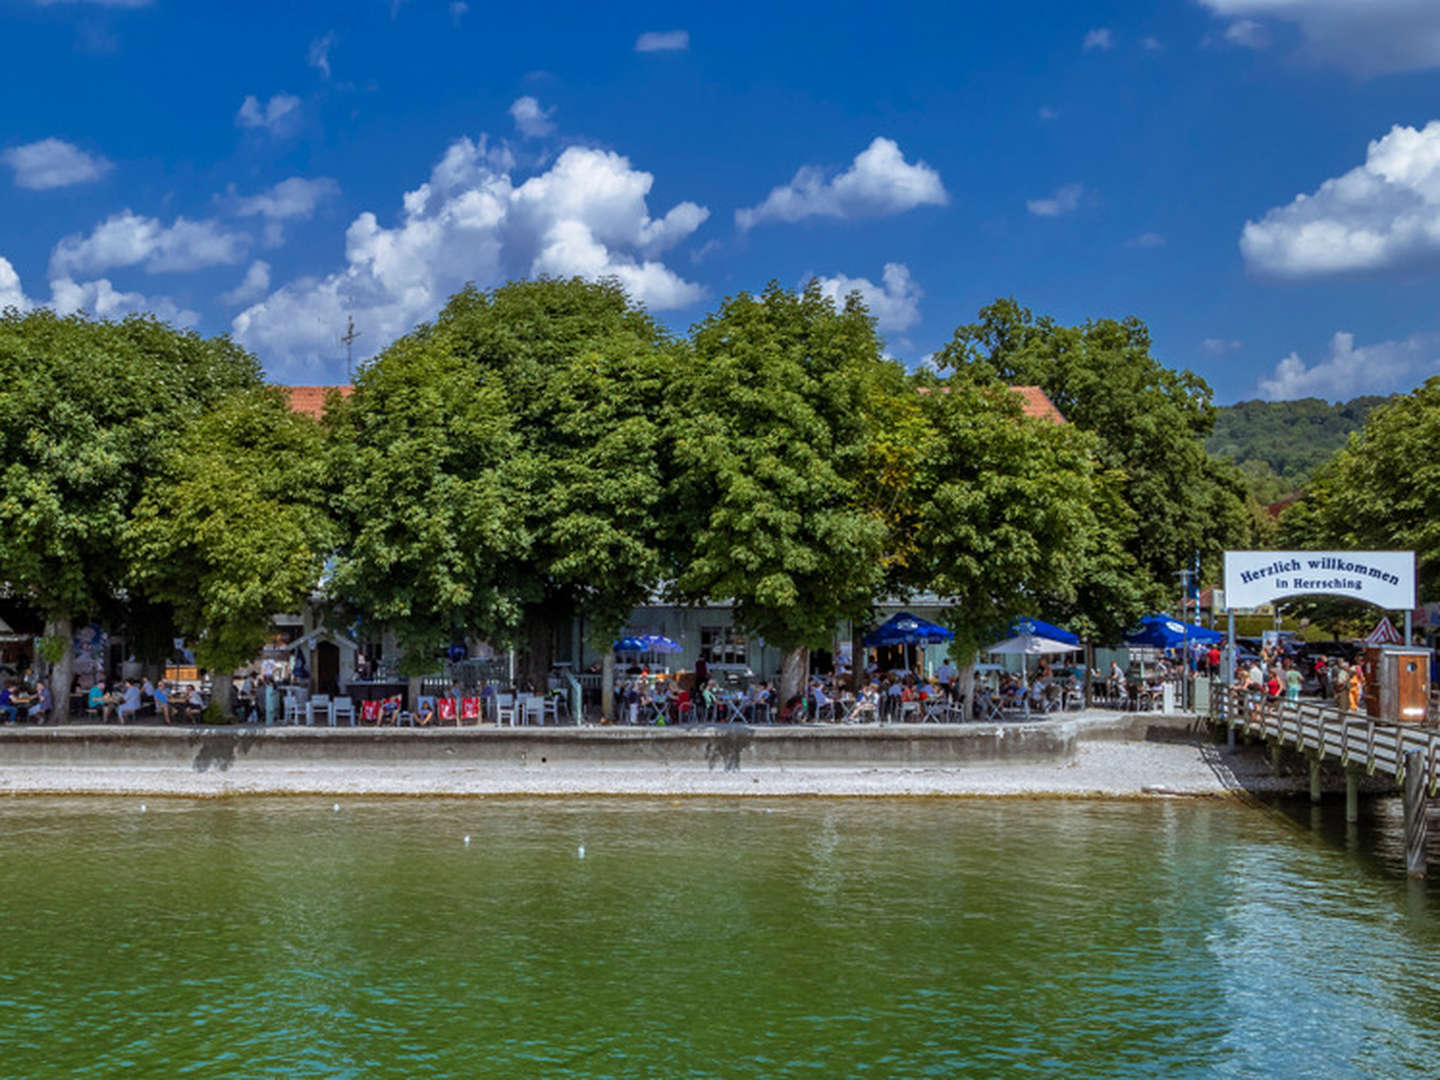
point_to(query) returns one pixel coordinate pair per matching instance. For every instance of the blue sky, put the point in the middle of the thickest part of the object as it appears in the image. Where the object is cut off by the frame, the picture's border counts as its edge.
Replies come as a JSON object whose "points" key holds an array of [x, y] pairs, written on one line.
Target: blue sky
{"points": [[1258, 180]]}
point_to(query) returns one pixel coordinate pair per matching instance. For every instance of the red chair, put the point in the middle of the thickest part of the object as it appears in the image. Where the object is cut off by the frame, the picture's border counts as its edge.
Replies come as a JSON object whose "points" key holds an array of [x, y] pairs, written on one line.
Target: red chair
{"points": [[684, 707], [470, 709], [445, 710], [370, 711]]}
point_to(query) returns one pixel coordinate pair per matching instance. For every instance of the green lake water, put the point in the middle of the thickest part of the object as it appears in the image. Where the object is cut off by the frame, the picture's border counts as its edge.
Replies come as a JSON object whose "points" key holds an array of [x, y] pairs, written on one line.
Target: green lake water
{"points": [[700, 938]]}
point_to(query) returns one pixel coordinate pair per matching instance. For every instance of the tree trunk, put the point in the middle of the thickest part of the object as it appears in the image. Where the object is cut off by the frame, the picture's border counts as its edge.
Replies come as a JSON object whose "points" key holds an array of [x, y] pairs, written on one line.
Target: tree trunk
{"points": [[222, 691], [415, 689], [965, 686], [794, 672], [539, 633], [62, 671], [607, 685], [1089, 674], [857, 658]]}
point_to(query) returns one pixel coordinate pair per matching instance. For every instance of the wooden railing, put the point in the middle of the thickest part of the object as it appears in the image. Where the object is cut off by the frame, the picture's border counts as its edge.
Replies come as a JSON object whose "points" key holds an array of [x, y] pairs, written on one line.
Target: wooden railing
{"points": [[1351, 738]]}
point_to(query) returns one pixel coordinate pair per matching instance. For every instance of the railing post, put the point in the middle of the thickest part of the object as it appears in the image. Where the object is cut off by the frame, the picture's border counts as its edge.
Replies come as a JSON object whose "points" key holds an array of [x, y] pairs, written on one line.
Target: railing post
{"points": [[1415, 823]]}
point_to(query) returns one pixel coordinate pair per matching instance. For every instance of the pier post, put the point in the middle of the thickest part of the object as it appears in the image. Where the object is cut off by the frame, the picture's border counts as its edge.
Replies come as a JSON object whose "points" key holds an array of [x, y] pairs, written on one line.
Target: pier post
{"points": [[1314, 777], [1415, 813], [1275, 750], [1230, 734], [1352, 795]]}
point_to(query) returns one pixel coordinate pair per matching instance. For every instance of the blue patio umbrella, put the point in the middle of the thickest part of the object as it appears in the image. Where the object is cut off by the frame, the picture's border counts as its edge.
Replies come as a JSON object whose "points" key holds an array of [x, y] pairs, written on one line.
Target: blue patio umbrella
{"points": [[654, 643], [1163, 632], [906, 629], [1034, 628]]}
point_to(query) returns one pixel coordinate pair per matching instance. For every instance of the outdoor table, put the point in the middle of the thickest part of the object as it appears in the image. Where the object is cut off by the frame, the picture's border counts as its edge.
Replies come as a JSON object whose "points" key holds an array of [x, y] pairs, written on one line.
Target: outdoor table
{"points": [[734, 708]]}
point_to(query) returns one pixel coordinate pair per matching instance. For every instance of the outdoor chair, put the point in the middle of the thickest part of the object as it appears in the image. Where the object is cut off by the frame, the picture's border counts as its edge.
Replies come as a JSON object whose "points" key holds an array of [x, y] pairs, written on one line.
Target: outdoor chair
{"points": [[445, 711], [294, 707], [318, 706], [342, 708], [505, 709], [371, 712], [470, 710], [550, 710], [533, 709]]}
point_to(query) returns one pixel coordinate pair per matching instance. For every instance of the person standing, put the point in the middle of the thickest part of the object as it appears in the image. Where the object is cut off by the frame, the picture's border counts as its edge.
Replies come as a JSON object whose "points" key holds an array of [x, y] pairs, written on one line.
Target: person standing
{"points": [[1357, 688], [1341, 684], [1292, 682]]}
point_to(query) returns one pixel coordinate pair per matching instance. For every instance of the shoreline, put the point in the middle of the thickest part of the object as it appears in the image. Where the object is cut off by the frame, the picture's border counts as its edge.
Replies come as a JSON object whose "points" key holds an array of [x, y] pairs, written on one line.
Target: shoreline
{"points": [[1105, 758]]}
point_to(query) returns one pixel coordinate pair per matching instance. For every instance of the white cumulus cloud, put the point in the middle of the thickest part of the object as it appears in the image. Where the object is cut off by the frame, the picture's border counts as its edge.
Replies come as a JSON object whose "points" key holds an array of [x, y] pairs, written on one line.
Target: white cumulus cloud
{"points": [[126, 239], [279, 116], [530, 119], [472, 220], [11, 294], [1064, 200], [879, 181], [101, 298], [458, 8], [255, 284], [1381, 214], [53, 163], [663, 41], [1363, 37], [1383, 368], [895, 302], [1099, 38]]}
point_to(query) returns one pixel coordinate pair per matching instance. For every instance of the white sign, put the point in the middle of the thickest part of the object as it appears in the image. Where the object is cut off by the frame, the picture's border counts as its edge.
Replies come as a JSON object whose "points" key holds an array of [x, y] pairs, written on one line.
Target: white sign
{"points": [[1383, 578]]}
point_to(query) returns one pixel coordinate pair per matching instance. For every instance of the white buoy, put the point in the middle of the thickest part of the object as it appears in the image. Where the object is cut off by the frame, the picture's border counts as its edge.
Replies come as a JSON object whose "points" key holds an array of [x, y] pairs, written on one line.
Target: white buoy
{"points": [[337, 808], [581, 852], [142, 808], [467, 841]]}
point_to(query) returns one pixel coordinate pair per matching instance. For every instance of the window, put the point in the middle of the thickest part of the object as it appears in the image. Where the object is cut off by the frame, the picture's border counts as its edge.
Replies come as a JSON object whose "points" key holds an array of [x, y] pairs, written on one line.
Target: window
{"points": [[722, 645]]}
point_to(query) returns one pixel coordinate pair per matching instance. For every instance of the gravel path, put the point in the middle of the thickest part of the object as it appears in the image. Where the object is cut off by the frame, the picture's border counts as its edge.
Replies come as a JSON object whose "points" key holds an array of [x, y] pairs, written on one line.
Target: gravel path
{"points": [[1099, 769]]}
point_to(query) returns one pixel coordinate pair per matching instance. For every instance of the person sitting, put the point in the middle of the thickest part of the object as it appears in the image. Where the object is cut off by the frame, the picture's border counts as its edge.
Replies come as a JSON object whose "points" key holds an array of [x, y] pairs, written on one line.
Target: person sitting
{"points": [[194, 705], [426, 713], [7, 702], [98, 701], [161, 694], [41, 703], [130, 702]]}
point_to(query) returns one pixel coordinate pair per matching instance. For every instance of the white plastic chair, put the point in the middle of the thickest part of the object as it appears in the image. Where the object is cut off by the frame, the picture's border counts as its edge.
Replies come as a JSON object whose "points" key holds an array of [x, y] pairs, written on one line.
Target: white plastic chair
{"points": [[550, 711], [505, 709], [295, 706], [342, 708], [318, 706], [532, 709]]}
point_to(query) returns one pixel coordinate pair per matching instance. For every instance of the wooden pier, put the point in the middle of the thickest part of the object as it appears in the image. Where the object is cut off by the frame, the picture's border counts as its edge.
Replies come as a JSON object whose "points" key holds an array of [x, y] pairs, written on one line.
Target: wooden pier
{"points": [[1407, 752]]}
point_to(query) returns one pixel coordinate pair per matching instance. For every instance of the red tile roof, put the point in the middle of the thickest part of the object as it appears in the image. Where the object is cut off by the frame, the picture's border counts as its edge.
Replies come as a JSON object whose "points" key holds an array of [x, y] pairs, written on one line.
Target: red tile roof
{"points": [[310, 400], [1033, 402]]}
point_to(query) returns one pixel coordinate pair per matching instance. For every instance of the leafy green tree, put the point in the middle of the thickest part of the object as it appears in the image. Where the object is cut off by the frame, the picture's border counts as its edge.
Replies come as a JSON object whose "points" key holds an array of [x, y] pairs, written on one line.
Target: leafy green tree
{"points": [[232, 527], [1151, 422], [1015, 516], [87, 409], [422, 462], [583, 371], [773, 440], [1381, 491]]}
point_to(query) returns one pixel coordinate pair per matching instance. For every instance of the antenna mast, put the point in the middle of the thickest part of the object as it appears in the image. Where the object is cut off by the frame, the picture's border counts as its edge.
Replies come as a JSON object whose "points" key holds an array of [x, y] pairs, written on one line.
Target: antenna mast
{"points": [[348, 340]]}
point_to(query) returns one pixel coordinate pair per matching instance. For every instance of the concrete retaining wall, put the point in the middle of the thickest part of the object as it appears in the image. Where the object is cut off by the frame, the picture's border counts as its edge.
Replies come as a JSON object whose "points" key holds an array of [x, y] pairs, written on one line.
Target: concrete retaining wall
{"points": [[722, 747]]}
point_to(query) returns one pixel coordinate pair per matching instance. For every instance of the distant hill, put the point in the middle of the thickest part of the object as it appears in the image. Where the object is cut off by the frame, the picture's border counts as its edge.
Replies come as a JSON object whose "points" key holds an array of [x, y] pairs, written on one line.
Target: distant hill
{"points": [[1279, 444]]}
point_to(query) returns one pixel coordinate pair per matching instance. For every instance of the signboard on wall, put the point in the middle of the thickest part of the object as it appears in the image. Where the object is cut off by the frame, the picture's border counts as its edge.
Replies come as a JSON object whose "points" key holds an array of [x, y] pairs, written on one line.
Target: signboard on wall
{"points": [[1383, 578]]}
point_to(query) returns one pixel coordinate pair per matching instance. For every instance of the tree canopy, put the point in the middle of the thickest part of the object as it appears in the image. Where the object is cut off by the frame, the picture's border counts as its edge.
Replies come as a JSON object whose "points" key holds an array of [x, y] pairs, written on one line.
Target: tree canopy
{"points": [[771, 430], [1382, 489], [1151, 422], [231, 526]]}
